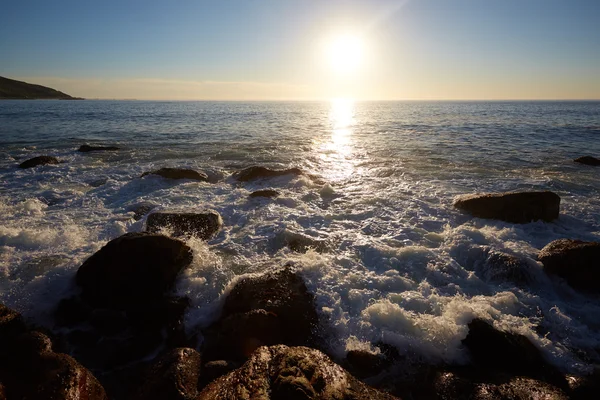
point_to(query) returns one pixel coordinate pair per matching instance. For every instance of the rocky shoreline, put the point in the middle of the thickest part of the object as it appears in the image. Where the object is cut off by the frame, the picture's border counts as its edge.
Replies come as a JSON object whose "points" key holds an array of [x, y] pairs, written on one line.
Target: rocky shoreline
{"points": [[122, 335]]}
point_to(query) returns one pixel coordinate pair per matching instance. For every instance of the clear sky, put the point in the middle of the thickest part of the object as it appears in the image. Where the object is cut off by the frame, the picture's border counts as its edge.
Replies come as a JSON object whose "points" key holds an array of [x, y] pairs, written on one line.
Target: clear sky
{"points": [[280, 49]]}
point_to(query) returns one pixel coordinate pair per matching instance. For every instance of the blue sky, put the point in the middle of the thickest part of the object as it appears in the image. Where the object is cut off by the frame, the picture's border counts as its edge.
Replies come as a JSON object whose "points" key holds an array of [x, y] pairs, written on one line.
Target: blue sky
{"points": [[419, 49]]}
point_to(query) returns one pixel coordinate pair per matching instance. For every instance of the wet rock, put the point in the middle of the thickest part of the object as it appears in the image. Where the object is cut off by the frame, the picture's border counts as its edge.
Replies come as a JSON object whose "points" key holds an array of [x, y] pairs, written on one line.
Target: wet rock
{"points": [[41, 160], [179, 173], [174, 376], [264, 193], [575, 261], [252, 173], [281, 372], [133, 269], [512, 353], [588, 160], [86, 148], [139, 210], [11, 324], [274, 308], [302, 243], [363, 364], [71, 311], [214, 369], [203, 225], [501, 267], [518, 207]]}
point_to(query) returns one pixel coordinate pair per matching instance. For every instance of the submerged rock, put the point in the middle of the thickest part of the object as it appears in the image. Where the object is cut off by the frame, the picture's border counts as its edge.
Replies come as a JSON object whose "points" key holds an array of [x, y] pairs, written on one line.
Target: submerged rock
{"points": [[86, 148], [274, 308], [41, 160], [179, 173], [281, 372], [588, 160], [502, 267], [174, 377], [252, 173], [364, 364], [139, 210], [575, 261], [132, 269], [203, 225], [264, 193], [516, 207], [511, 353]]}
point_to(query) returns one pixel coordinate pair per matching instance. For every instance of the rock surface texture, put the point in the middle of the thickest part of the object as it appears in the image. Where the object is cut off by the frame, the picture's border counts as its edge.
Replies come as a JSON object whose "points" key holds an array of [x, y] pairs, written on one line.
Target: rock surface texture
{"points": [[518, 207], [203, 225], [575, 261], [40, 160]]}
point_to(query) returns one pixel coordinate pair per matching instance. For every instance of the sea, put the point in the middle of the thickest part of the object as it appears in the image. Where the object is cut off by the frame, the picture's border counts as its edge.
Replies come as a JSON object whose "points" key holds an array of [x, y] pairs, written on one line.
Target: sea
{"points": [[395, 261]]}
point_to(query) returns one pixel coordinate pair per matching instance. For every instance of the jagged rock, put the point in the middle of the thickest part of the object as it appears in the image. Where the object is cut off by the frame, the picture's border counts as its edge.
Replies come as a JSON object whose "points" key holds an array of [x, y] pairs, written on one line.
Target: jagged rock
{"points": [[302, 243], [203, 225], [517, 207], [575, 261], [364, 364], [264, 193], [252, 173], [179, 173], [133, 269], [507, 352], [588, 160], [501, 267], [281, 372], [86, 148], [174, 376], [214, 369], [41, 160], [274, 308]]}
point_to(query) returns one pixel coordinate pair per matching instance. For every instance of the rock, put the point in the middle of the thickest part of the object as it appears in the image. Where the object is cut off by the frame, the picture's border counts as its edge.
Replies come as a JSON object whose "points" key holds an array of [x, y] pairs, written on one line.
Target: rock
{"points": [[252, 173], [214, 369], [11, 324], [174, 377], [71, 311], [501, 268], [302, 243], [274, 308], [264, 193], [179, 173], [203, 225], [512, 353], [363, 364], [588, 160], [281, 372], [86, 148], [139, 210], [41, 160], [575, 261], [520, 208], [132, 270]]}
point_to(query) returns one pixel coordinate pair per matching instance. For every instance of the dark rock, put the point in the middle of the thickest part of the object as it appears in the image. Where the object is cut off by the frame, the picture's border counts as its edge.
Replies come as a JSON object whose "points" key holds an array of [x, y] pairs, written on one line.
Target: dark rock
{"points": [[86, 148], [264, 193], [501, 268], [11, 324], [108, 322], [281, 372], [302, 243], [507, 352], [515, 207], [41, 160], [215, 369], [274, 308], [179, 173], [174, 377], [364, 364], [139, 210], [585, 387], [588, 160], [71, 311], [252, 173], [575, 261], [203, 225], [132, 270]]}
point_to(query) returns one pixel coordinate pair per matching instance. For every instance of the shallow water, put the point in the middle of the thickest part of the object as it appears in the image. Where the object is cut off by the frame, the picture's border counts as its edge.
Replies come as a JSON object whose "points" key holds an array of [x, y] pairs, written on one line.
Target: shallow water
{"points": [[399, 263]]}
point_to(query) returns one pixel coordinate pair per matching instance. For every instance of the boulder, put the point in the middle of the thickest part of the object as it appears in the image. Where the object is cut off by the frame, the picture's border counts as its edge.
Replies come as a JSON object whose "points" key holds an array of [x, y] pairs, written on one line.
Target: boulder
{"points": [[174, 376], [364, 364], [501, 268], [41, 160], [264, 193], [252, 173], [588, 160], [86, 148], [510, 353], [576, 261], [203, 225], [274, 308], [282, 372], [179, 173], [517, 207], [133, 269]]}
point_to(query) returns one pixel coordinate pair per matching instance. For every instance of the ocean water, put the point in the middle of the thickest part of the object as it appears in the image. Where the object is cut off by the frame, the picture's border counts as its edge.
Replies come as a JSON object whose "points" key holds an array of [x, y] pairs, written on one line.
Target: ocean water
{"points": [[397, 263]]}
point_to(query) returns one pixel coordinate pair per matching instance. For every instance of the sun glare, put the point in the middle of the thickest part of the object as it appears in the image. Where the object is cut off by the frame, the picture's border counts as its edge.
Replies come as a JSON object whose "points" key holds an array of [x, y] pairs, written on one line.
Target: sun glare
{"points": [[345, 53]]}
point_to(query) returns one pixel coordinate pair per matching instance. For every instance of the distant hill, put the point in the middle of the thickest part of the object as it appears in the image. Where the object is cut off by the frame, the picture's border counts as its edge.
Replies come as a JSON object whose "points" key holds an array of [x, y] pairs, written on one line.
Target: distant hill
{"points": [[11, 89]]}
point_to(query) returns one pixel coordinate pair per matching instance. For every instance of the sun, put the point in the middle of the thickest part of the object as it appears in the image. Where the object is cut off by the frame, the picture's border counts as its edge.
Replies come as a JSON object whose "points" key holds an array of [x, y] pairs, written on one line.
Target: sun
{"points": [[344, 53]]}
